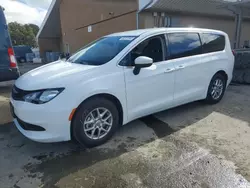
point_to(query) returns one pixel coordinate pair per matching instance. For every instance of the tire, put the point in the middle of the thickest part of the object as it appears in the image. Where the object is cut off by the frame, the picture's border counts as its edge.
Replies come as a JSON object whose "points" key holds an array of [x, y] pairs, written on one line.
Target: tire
{"points": [[21, 60], [87, 112], [211, 97]]}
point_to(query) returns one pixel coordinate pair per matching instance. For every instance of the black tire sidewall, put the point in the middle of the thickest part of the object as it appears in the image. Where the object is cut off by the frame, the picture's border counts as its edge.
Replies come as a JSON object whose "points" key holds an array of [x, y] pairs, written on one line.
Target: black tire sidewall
{"points": [[84, 109], [209, 98], [22, 60]]}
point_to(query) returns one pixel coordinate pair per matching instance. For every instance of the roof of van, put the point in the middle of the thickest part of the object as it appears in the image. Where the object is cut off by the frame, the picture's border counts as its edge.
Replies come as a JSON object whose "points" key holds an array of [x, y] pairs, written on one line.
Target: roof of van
{"points": [[21, 46], [159, 30]]}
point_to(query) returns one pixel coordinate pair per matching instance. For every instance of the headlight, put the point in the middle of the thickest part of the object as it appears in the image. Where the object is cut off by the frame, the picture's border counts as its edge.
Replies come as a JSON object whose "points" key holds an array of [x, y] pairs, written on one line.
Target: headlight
{"points": [[42, 96]]}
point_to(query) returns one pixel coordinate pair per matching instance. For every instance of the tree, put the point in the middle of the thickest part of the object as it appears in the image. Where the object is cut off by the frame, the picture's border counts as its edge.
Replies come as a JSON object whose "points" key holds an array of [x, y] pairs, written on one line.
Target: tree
{"points": [[34, 27], [23, 34]]}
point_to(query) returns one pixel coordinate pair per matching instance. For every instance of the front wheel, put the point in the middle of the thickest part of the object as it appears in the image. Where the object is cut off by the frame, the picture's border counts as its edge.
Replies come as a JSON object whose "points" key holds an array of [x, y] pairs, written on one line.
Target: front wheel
{"points": [[95, 122], [216, 89]]}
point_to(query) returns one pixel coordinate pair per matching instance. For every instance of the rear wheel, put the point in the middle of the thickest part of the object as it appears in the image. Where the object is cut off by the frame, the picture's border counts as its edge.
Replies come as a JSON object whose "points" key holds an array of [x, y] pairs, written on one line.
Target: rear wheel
{"points": [[22, 60], [216, 89], [95, 122]]}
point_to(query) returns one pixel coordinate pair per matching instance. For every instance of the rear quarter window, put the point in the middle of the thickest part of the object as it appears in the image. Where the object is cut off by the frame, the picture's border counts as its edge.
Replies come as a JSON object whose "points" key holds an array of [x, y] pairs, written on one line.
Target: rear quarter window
{"points": [[212, 42]]}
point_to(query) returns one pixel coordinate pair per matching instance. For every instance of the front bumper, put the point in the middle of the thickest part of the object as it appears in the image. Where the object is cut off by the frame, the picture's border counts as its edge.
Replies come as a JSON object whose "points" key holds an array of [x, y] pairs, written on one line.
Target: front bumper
{"points": [[50, 117]]}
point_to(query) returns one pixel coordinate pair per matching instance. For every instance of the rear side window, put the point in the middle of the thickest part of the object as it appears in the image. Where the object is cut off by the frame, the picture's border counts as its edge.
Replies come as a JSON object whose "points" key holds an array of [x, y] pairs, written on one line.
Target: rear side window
{"points": [[212, 42], [184, 45]]}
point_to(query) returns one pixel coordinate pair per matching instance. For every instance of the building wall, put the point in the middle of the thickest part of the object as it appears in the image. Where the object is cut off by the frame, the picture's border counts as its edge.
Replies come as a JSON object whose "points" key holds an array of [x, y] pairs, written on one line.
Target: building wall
{"points": [[76, 15], [245, 32], [220, 23], [49, 44]]}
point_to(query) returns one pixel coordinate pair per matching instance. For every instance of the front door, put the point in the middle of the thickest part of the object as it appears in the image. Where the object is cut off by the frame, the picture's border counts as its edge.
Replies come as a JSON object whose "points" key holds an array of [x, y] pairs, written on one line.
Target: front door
{"points": [[152, 90]]}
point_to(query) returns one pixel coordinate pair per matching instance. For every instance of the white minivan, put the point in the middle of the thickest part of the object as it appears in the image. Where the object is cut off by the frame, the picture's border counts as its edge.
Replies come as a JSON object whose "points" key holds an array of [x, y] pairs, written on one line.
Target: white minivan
{"points": [[119, 78]]}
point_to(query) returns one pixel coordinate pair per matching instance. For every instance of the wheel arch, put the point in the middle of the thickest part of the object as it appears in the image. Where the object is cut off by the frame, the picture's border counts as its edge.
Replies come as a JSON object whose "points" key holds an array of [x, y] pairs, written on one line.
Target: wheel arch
{"points": [[222, 72], [208, 98], [107, 96]]}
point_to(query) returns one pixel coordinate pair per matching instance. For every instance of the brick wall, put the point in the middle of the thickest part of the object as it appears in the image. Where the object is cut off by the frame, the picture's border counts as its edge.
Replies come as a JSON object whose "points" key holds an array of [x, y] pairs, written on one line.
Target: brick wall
{"points": [[49, 44], [76, 14]]}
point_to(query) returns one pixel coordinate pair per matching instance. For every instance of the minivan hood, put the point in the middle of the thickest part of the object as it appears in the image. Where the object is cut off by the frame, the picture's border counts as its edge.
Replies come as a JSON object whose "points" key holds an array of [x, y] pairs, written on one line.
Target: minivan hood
{"points": [[53, 75]]}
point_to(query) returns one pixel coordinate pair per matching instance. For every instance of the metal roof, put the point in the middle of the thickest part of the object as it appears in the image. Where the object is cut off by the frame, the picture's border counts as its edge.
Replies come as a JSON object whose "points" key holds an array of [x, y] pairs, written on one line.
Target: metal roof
{"points": [[242, 6], [209, 7]]}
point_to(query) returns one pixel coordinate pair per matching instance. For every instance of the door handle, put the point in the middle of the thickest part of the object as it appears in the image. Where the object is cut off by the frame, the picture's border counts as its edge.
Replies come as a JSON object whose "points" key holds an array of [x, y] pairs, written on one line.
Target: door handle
{"points": [[181, 67], [169, 70]]}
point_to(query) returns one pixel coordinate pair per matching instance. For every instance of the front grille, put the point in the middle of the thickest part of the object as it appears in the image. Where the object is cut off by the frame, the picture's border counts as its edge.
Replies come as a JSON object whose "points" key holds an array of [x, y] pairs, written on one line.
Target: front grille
{"points": [[18, 94], [29, 127]]}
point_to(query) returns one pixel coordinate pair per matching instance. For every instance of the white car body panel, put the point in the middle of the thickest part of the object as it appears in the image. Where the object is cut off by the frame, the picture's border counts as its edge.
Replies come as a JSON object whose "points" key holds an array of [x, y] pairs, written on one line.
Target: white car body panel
{"points": [[152, 91], [156, 88]]}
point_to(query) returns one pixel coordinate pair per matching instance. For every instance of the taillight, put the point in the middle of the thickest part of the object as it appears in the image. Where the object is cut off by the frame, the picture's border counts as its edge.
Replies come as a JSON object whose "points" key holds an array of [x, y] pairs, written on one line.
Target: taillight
{"points": [[234, 53], [13, 63]]}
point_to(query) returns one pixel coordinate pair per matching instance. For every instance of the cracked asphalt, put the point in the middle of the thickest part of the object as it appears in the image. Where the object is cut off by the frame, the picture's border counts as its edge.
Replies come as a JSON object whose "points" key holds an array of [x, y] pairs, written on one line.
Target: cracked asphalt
{"points": [[195, 145]]}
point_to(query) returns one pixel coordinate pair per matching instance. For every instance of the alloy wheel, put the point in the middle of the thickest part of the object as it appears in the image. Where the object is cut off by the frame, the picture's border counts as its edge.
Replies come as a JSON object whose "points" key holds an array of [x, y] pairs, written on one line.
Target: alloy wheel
{"points": [[217, 89], [97, 123]]}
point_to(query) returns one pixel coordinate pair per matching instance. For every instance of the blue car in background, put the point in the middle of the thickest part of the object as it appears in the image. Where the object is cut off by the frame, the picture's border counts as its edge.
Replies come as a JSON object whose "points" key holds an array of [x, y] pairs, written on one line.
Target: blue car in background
{"points": [[8, 64], [21, 51]]}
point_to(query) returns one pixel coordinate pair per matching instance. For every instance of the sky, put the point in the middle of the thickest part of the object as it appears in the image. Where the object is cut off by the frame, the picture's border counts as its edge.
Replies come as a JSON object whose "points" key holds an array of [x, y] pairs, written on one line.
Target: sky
{"points": [[25, 11]]}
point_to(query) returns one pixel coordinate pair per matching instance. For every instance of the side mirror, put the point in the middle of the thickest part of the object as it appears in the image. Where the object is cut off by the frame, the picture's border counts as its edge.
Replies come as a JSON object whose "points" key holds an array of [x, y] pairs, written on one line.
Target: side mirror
{"points": [[142, 62]]}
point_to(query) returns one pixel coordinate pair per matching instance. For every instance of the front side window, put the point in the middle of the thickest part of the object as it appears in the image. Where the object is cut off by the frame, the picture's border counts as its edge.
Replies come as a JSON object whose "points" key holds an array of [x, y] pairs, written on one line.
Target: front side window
{"points": [[212, 42], [101, 51], [184, 45], [152, 47]]}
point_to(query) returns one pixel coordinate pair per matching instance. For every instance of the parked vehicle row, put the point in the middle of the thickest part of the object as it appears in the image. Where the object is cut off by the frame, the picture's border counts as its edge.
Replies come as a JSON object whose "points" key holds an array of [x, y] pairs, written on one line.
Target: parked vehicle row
{"points": [[119, 78]]}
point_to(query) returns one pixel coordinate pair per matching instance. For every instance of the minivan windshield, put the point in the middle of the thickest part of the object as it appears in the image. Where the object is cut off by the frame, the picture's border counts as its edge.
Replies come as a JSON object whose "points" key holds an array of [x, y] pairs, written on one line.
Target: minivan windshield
{"points": [[101, 51]]}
